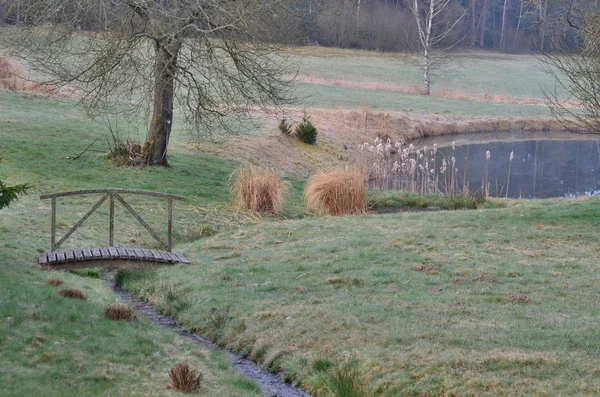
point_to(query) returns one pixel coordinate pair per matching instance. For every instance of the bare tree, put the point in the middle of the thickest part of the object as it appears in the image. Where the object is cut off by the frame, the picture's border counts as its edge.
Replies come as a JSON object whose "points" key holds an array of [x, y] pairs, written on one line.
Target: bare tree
{"points": [[575, 63], [432, 29], [206, 58]]}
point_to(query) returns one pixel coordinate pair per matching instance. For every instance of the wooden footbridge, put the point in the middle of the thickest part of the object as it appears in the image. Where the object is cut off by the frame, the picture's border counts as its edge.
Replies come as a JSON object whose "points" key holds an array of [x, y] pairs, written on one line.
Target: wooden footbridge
{"points": [[109, 256]]}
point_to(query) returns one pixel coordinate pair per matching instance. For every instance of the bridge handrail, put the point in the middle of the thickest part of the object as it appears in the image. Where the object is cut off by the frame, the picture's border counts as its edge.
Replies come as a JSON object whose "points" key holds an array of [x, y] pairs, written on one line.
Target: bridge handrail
{"points": [[111, 194], [110, 190]]}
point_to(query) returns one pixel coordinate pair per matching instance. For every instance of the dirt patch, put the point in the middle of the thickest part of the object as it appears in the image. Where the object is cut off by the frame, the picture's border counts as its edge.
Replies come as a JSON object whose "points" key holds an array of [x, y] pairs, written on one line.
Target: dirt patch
{"points": [[429, 268], [488, 278], [460, 304], [460, 280], [518, 299]]}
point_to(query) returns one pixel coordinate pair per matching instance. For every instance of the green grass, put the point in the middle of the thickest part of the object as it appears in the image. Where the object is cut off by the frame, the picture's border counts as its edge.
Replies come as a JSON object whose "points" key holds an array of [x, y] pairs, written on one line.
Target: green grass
{"points": [[323, 287], [381, 202], [399, 293]]}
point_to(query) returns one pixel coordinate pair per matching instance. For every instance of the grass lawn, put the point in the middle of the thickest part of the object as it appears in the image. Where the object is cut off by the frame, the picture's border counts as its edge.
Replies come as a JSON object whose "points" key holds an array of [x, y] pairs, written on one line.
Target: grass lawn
{"points": [[496, 301]]}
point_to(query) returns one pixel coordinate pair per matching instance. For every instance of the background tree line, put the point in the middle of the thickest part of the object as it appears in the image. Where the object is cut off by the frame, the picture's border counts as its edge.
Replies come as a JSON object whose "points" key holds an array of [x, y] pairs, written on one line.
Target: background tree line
{"points": [[387, 25]]}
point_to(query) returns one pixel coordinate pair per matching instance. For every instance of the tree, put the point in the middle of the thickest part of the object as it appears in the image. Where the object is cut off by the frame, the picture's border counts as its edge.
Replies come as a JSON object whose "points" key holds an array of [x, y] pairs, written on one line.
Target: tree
{"points": [[574, 61], [206, 58], [433, 29], [8, 194]]}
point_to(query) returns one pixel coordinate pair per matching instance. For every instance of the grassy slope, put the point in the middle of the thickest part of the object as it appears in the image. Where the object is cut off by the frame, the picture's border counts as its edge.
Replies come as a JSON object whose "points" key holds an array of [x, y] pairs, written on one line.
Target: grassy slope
{"points": [[54, 346], [326, 288], [301, 290]]}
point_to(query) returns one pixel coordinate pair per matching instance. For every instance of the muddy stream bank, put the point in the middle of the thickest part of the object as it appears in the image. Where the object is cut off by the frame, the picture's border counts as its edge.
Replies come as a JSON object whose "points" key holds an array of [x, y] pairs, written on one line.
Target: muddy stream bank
{"points": [[271, 384]]}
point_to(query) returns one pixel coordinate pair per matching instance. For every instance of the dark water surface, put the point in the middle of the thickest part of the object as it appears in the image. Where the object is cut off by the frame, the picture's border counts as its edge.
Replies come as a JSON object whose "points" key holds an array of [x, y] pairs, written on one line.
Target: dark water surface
{"points": [[544, 164]]}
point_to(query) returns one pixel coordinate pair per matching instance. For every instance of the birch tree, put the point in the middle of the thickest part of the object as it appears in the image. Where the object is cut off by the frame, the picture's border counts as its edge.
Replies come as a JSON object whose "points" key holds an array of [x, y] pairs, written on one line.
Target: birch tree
{"points": [[432, 31], [206, 58]]}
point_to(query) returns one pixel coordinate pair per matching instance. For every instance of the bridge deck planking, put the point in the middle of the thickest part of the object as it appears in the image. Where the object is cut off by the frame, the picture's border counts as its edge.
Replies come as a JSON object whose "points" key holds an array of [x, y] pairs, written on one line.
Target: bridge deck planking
{"points": [[93, 256]]}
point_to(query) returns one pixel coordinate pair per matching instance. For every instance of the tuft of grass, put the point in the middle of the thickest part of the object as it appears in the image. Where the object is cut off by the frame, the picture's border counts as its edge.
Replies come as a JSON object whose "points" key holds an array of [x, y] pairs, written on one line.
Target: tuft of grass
{"points": [[91, 273], [119, 312], [347, 380], [72, 293], [183, 378], [385, 203], [258, 189], [336, 193], [54, 282], [518, 298]]}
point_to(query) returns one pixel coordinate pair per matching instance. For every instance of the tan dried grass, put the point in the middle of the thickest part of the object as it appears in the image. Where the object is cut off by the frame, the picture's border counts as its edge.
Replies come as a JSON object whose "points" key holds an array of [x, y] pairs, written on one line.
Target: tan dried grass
{"points": [[72, 293], [258, 189], [54, 282], [12, 75], [338, 192], [182, 377], [14, 78], [119, 312]]}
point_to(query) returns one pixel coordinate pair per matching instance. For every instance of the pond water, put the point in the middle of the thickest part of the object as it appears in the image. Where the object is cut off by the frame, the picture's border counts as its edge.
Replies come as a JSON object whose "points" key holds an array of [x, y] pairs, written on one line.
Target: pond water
{"points": [[544, 164]]}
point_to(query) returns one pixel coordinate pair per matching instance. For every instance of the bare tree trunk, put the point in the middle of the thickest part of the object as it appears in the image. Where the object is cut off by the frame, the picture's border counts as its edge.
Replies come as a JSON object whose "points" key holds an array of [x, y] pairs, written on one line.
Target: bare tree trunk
{"points": [[542, 7], [159, 132], [473, 29], [503, 29], [520, 15], [483, 17]]}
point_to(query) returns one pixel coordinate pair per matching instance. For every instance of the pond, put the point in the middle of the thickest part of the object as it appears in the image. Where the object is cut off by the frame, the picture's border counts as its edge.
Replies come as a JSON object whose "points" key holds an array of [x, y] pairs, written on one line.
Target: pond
{"points": [[543, 164]]}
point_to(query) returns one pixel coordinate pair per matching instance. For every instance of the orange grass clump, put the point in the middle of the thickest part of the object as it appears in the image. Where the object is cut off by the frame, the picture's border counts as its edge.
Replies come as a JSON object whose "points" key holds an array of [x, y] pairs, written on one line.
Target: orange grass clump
{"points": [[55, 282], [258, 189], [12, 76], [72, 293], [119, 311], [337, 193], [182, 377]]}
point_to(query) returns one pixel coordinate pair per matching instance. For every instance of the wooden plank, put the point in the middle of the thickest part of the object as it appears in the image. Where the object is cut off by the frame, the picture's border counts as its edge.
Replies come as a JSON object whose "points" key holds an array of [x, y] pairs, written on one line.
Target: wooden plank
{"points": [[130, 253], [70, 256], [87, 254], [173, 258], [96, 253], [113, 252], [43, 258], [60, 257], [157, 256], [139, 253], [122, 253], [105, 253], [163, 256], [122, 191], [183, 259], [78, 254], [51, 257], [147, 254]]}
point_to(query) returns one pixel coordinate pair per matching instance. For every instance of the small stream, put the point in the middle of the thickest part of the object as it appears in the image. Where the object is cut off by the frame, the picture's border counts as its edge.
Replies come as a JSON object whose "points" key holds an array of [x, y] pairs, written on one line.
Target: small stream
{"points": [[271, 385]]}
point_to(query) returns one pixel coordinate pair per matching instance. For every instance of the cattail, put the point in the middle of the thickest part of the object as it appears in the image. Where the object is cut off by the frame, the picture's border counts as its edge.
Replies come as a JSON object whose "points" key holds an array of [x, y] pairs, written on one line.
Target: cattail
{"points": [[435, 148], [510, 159], [453, 145], [411, 147], [487, 155]]}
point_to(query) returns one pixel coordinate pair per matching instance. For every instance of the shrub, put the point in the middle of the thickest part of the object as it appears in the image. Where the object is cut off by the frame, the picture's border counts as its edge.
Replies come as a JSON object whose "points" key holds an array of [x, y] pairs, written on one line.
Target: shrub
{"points": [[72, 293], [55, 282], [336, 193], [12, 76], [285, 127], [258, 189], [182, 377], [118, 312], [306, 131]]}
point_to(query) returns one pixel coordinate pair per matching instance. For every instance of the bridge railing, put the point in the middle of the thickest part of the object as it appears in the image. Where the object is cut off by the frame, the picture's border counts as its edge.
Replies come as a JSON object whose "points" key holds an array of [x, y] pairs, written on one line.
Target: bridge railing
{"points": [[111, 195]]}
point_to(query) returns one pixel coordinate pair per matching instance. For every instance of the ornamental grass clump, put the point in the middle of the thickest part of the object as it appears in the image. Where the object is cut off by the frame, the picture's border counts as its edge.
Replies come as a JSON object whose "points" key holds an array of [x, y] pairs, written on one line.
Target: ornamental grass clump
{"points": [[182, 377], [337, 193], [72, 293], [119, 312], [258, 189]]}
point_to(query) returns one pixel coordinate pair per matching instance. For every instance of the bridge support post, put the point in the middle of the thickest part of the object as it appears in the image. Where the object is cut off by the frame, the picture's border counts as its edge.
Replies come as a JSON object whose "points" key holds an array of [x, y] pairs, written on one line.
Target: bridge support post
{"points": [[53, 225], [169, 223]]}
